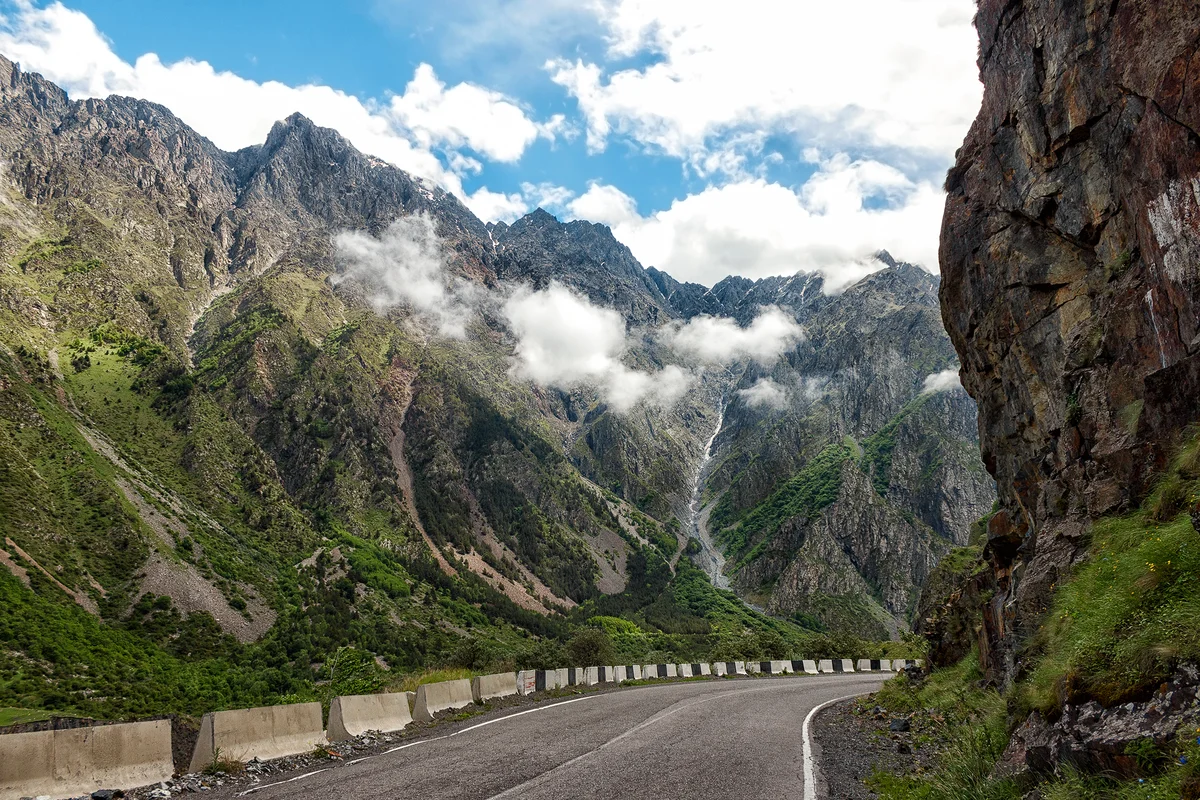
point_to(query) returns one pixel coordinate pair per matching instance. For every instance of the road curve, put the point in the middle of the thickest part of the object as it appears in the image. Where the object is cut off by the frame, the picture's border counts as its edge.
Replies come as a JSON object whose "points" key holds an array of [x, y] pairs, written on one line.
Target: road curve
{"points": [[711, 739]]}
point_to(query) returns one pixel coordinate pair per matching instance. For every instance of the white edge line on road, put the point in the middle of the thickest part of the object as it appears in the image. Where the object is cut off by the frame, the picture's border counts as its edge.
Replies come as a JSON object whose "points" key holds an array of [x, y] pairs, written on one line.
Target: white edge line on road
{"points": [[810, 780], [281, 783], [420, 741]]}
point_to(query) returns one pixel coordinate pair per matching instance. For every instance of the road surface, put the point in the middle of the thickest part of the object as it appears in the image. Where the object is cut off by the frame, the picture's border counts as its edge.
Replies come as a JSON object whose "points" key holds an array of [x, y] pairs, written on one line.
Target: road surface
{"points": [[712, 739]]}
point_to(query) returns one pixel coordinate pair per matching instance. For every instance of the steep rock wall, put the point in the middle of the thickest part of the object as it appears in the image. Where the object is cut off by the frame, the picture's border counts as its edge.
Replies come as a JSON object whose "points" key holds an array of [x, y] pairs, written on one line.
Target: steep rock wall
{"points": [[1069, 261]]}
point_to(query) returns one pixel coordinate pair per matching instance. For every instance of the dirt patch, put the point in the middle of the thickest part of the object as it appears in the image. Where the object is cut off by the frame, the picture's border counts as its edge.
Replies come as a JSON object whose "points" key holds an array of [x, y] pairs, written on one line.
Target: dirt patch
{"points": [[609, 551], [19, 572], [191, 592], [85, 602], [188, 589]]}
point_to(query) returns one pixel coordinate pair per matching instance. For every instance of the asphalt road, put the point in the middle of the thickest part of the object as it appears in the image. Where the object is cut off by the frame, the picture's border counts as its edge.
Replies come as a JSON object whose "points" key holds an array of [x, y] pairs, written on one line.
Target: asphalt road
{"points": [[712, 739]]}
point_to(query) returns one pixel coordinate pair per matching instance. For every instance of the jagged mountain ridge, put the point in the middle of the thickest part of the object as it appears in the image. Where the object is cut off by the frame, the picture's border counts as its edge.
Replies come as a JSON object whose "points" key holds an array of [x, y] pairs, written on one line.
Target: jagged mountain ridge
{"points": [[143, 260]]}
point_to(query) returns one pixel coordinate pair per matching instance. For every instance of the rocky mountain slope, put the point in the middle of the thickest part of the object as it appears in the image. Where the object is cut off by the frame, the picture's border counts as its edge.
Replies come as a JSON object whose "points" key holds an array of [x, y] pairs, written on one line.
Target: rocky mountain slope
{"points": [[226, 454], [839, 478]]}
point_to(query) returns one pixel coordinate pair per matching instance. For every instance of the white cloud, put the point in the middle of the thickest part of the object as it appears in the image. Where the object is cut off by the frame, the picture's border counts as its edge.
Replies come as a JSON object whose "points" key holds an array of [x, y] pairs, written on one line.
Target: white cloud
{"points": [[564, 340], [944, 381], [407, 267], [719, 340], [833, 224], [884, 74], [492, 206], [463, 115], [234, 112], [765, 393]]}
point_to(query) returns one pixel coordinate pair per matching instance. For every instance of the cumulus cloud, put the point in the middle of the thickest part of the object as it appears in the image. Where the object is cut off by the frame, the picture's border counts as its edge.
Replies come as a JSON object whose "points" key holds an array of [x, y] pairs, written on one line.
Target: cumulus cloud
{"points": [[833, 224], [765, 393], [944, 381], [564, 340], [234, 112], [406, 266], [464, 115], [907, 80], [720, 340]]}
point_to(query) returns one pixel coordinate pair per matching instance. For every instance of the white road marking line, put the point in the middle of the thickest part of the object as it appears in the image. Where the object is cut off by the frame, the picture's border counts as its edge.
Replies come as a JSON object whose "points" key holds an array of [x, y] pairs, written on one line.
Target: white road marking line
{"points": [[281, 783], [810, 779]]}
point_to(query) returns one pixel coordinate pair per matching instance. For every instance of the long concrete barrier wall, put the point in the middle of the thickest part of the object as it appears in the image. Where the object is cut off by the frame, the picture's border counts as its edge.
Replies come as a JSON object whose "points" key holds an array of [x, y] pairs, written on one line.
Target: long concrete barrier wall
{"points": [[79, 761], [490, 687], [354, 715], [444, 696], [262, 733]]}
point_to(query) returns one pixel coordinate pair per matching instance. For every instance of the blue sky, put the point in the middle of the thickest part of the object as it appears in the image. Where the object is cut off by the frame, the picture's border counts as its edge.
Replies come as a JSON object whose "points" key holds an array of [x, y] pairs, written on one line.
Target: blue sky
{"points": [[792, 135]]}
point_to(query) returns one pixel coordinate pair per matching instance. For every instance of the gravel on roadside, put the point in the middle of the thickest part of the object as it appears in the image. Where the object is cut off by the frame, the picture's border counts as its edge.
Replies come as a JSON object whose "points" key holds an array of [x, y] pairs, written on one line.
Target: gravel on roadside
{"points": [[856, 738]]}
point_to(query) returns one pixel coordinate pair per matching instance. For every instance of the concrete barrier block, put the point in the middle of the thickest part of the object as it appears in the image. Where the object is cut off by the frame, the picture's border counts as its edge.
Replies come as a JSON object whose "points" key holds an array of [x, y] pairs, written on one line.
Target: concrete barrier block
{"points": [[560, 677], [354, 715], [443, 696], [546, 679], [575, 676], [412, 700], [825, 665], [649, 671], [781, 667], [527, 681], [753, 667], [884, 665], [79, 761], [898, 664], [591, 676], [810, 666], [847, 665], [864, 665], [683, 670], [739, 668], [489, 687], [27, 764], [705, 669], [262, 733], [669, 670]]}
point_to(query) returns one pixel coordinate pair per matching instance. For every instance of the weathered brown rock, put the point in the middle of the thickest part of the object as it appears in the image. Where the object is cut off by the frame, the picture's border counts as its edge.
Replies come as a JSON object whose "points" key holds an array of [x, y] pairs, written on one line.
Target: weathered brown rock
{"points": [[1069, 256], [1096, 739]]}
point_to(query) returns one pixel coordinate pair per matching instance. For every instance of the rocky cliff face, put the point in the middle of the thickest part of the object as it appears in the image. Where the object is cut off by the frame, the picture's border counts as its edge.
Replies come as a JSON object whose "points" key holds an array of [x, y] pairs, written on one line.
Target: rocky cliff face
{"points": [[1069, 259]]}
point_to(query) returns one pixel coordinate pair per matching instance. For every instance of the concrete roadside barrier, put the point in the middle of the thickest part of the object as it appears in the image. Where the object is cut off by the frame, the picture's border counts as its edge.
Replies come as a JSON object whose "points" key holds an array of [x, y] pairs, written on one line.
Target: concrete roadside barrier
{"points": [[705, 669], [546, 679], [898, 664], [684, 670], [660, 671], [262, 733], [781, 667], [411, 697], [575, 676], [843, 665], [753, 667], [443, 696], [739, 668], [719, 669], [591, 676], [79, 761], [825, 665], [649, 671], [527, 681], [810, 666], [354, 715], [874, 665], [863, 665], [490, 687]]}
